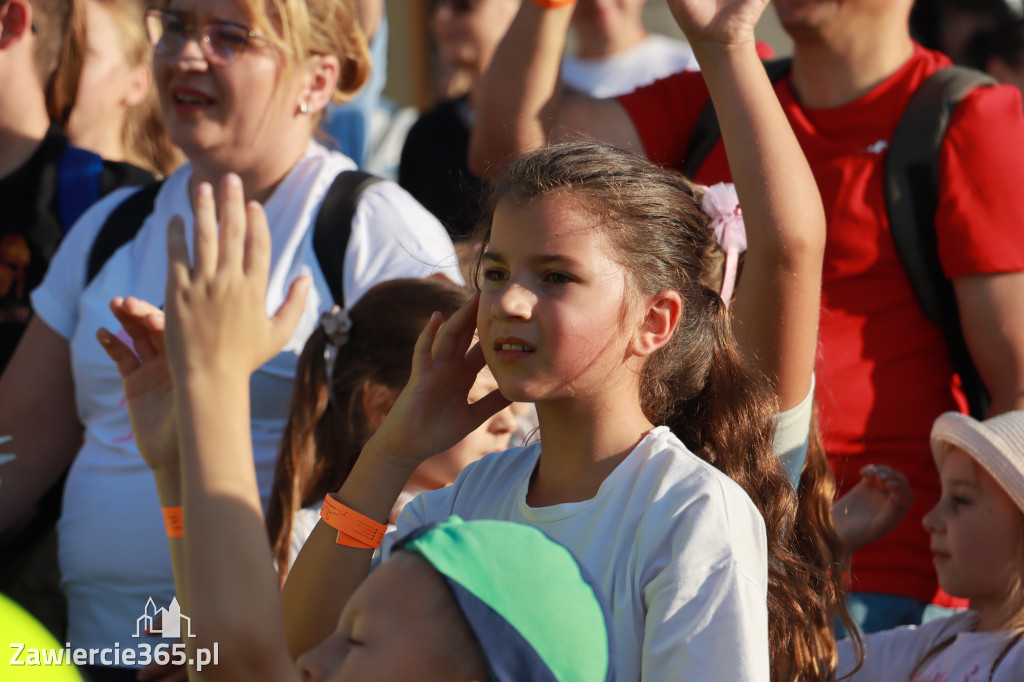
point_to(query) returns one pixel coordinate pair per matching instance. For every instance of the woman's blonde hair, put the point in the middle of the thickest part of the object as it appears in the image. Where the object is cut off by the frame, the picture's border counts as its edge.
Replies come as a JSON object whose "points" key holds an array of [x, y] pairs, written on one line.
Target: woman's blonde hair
{"points": [[323, 27]]}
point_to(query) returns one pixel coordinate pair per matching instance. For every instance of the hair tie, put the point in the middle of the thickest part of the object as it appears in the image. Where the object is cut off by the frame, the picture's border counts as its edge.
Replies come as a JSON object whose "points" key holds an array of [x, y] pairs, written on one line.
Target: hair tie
{"points": [[336, 325], [722, 205]]}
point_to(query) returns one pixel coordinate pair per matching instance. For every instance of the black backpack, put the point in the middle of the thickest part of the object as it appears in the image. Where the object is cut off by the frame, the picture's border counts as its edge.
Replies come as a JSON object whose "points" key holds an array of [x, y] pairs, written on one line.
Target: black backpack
{"points": [[911, 199], [330, 233]]}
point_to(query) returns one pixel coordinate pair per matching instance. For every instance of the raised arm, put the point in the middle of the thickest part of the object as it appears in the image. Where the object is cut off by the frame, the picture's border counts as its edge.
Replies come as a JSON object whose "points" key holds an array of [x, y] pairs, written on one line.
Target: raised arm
{"points": [[38, 415], [368, 14], [777, 302], [218, 333], [522, 105]]}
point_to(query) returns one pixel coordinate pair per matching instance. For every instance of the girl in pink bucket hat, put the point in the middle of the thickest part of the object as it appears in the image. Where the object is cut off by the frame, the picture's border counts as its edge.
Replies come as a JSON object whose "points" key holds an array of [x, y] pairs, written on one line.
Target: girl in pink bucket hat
{"points": [[977, 542]]}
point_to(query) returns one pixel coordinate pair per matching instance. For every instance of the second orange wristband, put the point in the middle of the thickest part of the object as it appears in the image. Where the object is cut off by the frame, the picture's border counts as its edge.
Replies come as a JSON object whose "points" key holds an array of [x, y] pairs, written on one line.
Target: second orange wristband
{"points": [[354, 529], [174, 521]]}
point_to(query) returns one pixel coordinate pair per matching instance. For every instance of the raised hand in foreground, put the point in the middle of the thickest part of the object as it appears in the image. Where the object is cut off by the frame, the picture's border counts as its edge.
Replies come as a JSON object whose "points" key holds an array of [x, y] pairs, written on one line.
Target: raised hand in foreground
{"points": [[216, 311]]}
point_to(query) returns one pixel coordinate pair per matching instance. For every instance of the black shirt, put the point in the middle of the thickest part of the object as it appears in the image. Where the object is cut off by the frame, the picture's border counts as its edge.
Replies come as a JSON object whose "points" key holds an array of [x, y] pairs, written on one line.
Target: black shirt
{"points": [[435, 168], [30, 229]]}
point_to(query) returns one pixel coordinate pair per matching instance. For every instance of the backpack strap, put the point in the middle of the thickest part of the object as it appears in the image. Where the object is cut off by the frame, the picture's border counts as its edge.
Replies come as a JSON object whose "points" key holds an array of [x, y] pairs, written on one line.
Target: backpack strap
{"points": [[912, 198], [334, 226], [330, 234], [121, 226], [78, 184], [707, 132]]}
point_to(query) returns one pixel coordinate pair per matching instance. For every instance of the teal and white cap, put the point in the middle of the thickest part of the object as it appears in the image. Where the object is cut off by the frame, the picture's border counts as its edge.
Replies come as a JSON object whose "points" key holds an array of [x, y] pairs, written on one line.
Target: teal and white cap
{"points": [[536, 614]]}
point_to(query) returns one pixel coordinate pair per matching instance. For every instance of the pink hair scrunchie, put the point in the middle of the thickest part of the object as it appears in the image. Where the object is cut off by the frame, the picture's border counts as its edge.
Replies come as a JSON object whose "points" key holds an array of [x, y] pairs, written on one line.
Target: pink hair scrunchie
{"points": [[722, 205]]}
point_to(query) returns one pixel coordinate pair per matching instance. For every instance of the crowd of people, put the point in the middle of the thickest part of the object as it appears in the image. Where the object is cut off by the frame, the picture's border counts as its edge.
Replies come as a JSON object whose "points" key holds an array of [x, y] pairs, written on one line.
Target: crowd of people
{"points": [[548, 404]]}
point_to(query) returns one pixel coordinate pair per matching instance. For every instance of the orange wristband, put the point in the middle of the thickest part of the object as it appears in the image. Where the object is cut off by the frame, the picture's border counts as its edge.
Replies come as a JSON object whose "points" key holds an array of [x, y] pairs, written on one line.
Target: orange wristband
{"points": [[553, 4], [354, 529], [174, 522]]}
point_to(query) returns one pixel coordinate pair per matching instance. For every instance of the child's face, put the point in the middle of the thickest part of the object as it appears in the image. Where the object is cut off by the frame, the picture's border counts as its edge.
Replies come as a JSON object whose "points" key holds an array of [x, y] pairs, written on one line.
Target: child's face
{"points": [[108, 84], [399, 625], [553, 303], [976, 533]]}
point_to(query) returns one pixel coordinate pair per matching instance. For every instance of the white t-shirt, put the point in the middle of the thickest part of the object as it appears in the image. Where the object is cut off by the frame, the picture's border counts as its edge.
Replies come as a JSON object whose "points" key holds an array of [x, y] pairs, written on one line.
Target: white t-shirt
{"points": [[656, 57], [677, 548], [303, 522], [113, 548], [793, 436], [893, 654]]}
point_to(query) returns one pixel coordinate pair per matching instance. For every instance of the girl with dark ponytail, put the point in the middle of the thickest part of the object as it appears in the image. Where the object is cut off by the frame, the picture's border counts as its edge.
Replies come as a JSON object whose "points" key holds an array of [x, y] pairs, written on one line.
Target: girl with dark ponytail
{"points": [[346, 380]]}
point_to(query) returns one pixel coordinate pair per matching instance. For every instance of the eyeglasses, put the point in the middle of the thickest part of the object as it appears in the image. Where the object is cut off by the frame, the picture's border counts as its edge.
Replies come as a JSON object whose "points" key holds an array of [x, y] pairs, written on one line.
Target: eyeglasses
{"points": [[457, 6], [221, 41]]}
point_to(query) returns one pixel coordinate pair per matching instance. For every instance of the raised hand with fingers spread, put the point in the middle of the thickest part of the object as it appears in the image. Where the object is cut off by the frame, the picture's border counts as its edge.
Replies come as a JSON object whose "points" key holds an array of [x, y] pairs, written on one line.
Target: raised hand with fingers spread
{"points": [[717, 21], [217, 318], [872, 507], [148, 389]]}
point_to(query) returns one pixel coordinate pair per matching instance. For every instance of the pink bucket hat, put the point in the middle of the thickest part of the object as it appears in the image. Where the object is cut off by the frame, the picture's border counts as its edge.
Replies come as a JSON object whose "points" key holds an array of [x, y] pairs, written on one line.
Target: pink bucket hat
{"points": [[996, 444]]}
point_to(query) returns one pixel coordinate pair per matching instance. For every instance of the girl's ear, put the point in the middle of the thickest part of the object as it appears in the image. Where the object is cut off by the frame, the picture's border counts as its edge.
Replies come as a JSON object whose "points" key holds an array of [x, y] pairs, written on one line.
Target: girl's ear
{"points": [[322, 79], [378, 400], [664, 310]]}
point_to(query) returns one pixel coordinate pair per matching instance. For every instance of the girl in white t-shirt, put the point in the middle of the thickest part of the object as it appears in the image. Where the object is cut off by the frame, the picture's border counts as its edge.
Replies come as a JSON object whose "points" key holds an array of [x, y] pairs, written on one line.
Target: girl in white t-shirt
{"points": [[977, 541]]}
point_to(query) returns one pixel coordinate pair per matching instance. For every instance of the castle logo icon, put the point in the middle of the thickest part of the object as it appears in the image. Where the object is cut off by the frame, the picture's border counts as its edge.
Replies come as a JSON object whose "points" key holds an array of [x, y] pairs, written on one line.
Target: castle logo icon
{"points": [[169, 621]]}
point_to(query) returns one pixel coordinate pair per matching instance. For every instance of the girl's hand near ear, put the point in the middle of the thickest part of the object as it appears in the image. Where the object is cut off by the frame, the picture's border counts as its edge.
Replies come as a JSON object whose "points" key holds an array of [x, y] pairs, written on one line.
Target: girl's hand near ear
{"points": [[727, 22], [148, 389], [873, 507], [217, 321], [433, 412]]}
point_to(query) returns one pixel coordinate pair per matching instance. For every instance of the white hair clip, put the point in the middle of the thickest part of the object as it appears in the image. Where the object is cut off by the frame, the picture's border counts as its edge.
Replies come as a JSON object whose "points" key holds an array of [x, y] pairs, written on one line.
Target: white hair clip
{"points": [[336, 325]]}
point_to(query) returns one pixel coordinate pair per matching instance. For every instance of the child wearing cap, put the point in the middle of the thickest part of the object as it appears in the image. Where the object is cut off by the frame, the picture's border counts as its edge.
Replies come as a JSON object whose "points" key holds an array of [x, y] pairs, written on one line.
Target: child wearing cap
{"points": [[977, 542], [464, 600]]}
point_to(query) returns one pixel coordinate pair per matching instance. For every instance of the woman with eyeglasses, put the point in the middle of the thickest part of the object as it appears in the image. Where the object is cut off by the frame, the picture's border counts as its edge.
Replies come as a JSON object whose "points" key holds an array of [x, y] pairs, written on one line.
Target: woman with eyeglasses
{"points": [[242, 84]]}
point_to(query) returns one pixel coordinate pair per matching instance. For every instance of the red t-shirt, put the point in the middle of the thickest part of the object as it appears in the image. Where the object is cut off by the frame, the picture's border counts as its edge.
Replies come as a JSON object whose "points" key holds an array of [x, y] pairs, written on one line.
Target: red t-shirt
{"points": [[883, 370]]}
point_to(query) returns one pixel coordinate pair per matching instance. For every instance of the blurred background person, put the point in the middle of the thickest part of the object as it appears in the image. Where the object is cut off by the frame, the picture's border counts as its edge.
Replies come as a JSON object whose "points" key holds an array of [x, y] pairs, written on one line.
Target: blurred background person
{"points": [[103, 93], [950, 26], [1000, 54], [615, 53], [434, 166], [45, 185]]}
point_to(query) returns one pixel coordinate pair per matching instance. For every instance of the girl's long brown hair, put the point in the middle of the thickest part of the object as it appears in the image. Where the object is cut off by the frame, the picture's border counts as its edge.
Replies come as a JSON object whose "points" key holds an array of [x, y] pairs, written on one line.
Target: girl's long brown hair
{"points": [[323, 436], [699, 384], [817, 541]]}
